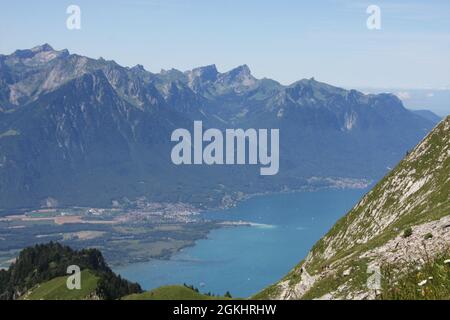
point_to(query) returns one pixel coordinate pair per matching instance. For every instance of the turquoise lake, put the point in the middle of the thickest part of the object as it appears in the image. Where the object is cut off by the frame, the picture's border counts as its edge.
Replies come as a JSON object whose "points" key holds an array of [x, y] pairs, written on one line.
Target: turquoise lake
{"points": [[244, 260]]}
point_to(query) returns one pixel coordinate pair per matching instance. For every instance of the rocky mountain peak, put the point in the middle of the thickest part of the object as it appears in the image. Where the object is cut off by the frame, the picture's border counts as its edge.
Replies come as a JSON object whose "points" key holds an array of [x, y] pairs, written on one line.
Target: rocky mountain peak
{"points": [[205, 73], [239, 79], [38, 55], [42, 48], [138, 67], [240, 71]]}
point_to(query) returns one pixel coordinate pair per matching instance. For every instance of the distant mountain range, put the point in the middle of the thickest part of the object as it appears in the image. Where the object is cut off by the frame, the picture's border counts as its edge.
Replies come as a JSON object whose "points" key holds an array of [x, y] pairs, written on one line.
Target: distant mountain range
{"points": [[86, 132], [433, 99]]}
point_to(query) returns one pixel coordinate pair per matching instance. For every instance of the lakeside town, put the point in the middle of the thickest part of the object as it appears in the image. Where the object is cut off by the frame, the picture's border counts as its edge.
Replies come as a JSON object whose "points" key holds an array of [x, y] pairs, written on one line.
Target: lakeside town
{"points": [[132, 231]]}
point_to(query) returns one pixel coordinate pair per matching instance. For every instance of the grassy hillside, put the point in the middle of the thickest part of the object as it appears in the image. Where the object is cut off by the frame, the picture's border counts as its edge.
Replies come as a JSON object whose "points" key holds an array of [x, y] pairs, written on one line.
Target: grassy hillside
{"points": [[39, 273], [171, 293], [47, 264], [404, 220], [56, 289], [431, 282]]}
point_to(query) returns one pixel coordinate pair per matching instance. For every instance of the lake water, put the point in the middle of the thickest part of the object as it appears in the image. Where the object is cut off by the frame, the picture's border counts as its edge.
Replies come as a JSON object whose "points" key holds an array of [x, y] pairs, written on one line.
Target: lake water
{"points": [[244, 260]]}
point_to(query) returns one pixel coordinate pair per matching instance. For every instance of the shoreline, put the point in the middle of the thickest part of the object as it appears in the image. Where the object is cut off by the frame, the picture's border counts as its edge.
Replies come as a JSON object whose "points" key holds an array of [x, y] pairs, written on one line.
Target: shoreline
{"points": [[225, 224], [216, 224], [362, 184], [220, 225]]}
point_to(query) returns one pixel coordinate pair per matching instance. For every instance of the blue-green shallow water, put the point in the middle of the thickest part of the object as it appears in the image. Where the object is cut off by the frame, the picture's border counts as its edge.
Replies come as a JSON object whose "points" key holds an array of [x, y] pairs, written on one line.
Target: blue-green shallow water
{"points": [[244, 260]]}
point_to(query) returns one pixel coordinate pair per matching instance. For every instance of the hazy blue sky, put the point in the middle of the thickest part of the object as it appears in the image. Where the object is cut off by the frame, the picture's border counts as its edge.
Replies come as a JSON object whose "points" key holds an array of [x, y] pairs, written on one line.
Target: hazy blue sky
{"points": [[285, 39]]}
